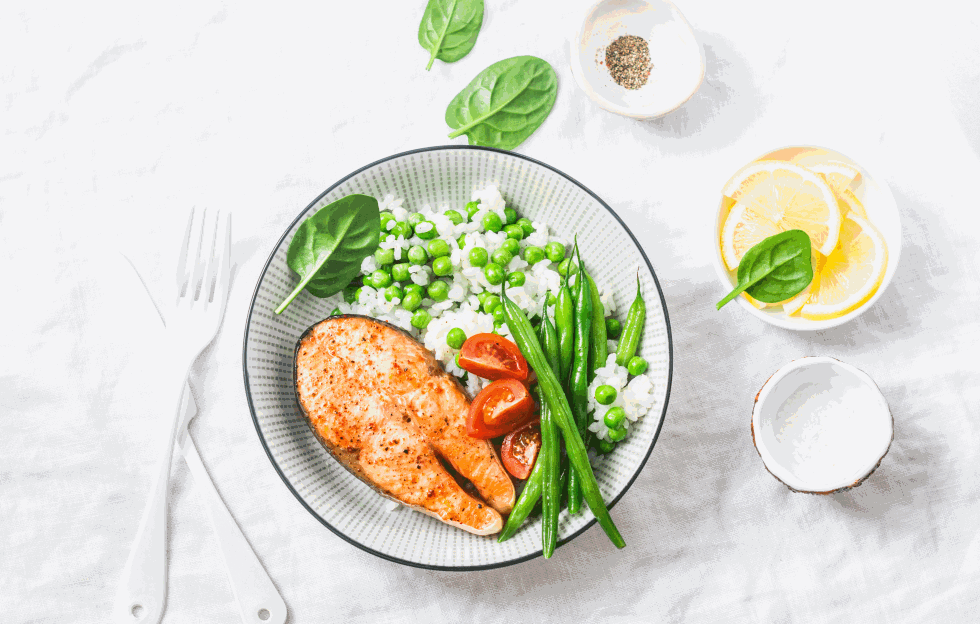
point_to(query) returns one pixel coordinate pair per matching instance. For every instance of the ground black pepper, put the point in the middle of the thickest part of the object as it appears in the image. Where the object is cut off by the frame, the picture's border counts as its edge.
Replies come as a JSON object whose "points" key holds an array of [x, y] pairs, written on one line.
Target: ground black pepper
{"points": [[628, 61]]}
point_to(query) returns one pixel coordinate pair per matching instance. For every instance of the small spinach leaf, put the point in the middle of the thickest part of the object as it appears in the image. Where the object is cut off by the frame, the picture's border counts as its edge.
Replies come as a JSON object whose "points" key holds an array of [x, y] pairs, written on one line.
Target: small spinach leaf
{"points": [[505, 103], [449, 28], [329, 246], [777, 268]]}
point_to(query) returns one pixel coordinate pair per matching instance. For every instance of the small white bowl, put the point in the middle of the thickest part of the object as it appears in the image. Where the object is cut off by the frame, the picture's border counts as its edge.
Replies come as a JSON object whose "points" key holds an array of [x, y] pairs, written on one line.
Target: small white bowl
{"points": [[821, 426], [882, 212], [677, 57]]}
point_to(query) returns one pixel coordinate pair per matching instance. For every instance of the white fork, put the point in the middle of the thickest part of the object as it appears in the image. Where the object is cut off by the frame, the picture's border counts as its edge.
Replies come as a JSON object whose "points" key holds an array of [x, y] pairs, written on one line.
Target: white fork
{"points": [[205, 259]]}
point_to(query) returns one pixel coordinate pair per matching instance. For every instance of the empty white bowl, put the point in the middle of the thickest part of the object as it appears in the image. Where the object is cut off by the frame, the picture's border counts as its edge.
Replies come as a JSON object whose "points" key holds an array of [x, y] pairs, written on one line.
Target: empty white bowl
{"points": [[676, 55], [821, 426], [882, 212]]}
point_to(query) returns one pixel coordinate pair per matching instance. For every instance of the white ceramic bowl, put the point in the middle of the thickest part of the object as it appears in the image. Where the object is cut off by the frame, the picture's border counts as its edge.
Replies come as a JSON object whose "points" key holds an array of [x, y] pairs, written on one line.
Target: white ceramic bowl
{"points": [[677, 57], [805, 433], [882, 213], [443, 176]]}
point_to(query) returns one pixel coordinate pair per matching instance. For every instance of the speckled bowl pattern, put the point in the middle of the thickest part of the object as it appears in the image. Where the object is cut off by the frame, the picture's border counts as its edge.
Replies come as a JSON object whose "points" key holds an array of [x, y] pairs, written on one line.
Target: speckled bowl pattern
{"points": [[440, 176]]}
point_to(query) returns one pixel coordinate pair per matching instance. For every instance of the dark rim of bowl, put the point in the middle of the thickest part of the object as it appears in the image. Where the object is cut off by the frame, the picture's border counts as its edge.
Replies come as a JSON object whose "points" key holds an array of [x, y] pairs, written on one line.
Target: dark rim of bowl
{"points": [[414, 564]]}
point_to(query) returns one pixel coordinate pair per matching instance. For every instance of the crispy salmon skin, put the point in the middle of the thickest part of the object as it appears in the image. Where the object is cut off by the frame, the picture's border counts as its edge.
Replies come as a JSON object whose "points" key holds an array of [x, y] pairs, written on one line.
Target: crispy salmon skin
{"points": [[384, 408]]}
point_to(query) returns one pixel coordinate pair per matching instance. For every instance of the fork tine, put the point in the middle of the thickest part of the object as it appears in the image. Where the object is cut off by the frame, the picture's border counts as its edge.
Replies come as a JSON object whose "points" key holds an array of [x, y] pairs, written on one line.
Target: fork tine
{"points": [[213, 260], [197, 269], [182, 256], [223, 250]]}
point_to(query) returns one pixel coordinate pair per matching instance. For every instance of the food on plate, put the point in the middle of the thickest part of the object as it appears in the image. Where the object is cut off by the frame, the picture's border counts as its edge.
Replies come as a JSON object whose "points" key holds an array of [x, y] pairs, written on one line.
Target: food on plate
{"points": [[449, 28], [520, 449], [501, 407], [382, 405], [777, 268], [492, 356]]}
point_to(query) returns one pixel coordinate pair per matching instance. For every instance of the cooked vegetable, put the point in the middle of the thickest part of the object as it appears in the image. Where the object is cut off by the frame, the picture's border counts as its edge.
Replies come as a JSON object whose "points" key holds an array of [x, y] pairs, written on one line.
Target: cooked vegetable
{"points": [[636, 365], [524, 505], [328, 247], [550, 455], [633, 328], [521, 448], [578, 381], [449, 29], [505, 103], [501, 407], [614, 417], [565, 325], [598, 345], [554, 396], [604, 395], [613, 328], [777, 268], [493, 357]]}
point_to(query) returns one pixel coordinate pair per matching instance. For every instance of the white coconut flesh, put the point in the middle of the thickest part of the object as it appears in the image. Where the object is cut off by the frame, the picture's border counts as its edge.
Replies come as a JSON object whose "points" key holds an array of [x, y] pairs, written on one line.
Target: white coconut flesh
{"points": [[821, 425]]}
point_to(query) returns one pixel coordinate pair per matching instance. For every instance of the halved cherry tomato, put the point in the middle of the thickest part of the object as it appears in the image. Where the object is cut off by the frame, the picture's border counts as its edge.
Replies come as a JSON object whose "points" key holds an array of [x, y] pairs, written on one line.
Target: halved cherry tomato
{"points": [[520, 449], [492, 357], [500, 408]]}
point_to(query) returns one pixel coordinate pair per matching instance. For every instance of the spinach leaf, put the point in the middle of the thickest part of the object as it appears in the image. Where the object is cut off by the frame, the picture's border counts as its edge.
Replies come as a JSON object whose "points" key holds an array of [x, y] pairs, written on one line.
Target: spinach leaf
{"points": [[449, 29], [775, 269], [505, 103], [329, 246]]}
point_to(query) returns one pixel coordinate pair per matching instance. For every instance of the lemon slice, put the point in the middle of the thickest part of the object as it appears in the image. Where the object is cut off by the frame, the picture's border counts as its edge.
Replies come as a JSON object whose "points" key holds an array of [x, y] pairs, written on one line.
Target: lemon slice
{"points": [[773, 197], [837, 175], [848, 201], [851, 274], [794, 305]]}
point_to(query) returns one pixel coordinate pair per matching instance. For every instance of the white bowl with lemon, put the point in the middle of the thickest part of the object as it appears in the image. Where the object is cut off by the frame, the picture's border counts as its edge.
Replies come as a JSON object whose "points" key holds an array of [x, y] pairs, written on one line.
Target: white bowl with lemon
{"points": [[851, 218]]}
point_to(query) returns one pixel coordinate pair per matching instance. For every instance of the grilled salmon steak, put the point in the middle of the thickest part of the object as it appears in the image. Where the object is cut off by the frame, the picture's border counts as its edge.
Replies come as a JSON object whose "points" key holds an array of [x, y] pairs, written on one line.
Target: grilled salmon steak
{"points": [[384, 407]]}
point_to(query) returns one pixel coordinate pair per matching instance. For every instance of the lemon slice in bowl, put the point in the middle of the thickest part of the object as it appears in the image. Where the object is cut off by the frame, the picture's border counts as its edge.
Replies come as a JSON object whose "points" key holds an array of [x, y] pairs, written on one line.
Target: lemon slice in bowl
{"points": [[851, 274], [772, 197], [794, 305], [848, 201], [837, 175]]}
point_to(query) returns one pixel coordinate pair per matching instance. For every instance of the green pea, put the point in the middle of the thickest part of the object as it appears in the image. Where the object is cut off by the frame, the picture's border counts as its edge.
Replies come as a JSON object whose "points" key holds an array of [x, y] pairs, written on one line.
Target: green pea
{"points": [[455, 338], [481, 297], [402, 229], [384, 256], [415, 218], [454, 216], [526, 226], [606, 446], [414, 288], [472, 208], [380, 279], [555, 251], [335, 312], [604, 395], [383, 236], [438, 290], [438, 248], [357, 294], [613, 328], [499, 316], [428, 234], [385, 217], [493, 273], [512, 246], [497, 325], [491, 303], [501, 257], [617, 434], [417, 255], [567, 265], [350, 293], [421, 319], [637, 365], [461, 241], [514, 232], [457, 363], [442, 266], [400, 273], [614, 417], [394, 292], [478, 256], [511, 215], [517, 278], [533, 255], [411, 301], [492, 222]]}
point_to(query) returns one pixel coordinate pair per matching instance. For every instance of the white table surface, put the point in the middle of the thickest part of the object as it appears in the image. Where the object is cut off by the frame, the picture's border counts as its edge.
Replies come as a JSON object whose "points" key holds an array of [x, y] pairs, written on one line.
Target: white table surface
{"points": [[115, 118]]}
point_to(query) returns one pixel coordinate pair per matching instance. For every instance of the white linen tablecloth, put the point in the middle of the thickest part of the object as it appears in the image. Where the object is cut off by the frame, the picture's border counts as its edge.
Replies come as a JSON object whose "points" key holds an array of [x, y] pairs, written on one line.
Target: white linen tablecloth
{"points": [[117, 117]]}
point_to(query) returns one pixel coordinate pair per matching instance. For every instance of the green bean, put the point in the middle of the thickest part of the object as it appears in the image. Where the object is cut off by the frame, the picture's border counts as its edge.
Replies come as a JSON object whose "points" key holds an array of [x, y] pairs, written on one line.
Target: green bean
{"points": [[632, 329], [527, 342], [598, 348], [525, 504], [550, 454], [578, 382], [565, 324]]}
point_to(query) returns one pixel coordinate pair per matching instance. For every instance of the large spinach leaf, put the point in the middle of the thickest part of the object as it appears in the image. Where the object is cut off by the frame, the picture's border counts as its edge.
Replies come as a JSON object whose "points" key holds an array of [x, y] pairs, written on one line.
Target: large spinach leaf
{"points": [[775, 269], [328, 247], [449, 29], [505, 103]]}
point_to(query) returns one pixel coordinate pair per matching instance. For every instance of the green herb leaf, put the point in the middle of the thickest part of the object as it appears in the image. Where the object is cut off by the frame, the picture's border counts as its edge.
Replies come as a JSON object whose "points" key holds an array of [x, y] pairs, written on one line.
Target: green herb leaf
{"points": [[449, 28], [505, 103], [328, 247], [776, 269]]}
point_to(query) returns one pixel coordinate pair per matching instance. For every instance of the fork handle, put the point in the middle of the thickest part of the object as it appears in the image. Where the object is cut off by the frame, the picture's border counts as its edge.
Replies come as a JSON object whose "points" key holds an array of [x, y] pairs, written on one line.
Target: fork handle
{"points": [[250, 583], [142, 591]]}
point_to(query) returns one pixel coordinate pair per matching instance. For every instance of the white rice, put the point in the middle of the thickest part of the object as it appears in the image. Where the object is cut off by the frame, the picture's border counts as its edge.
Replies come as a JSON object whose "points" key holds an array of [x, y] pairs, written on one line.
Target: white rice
{"points": [[636, 397]]}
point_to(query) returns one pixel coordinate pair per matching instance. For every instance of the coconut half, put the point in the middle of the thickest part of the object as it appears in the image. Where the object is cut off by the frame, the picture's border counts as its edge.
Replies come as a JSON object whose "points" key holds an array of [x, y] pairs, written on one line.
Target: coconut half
{"points": [[821, 426]]}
